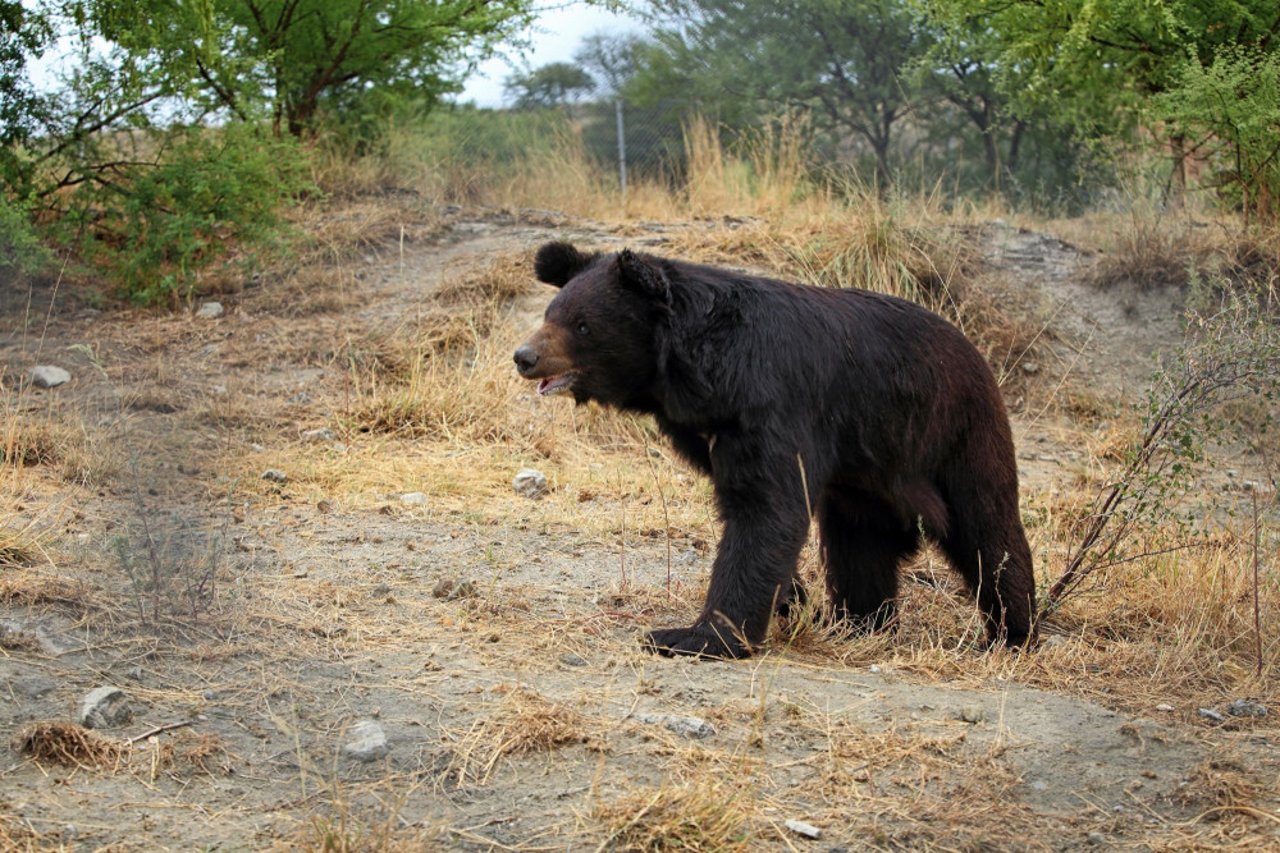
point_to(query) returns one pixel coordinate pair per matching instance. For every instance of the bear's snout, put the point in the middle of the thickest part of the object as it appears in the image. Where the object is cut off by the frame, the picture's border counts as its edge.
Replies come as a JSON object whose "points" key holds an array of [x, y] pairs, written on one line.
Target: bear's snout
{"points": [[526, 358]]}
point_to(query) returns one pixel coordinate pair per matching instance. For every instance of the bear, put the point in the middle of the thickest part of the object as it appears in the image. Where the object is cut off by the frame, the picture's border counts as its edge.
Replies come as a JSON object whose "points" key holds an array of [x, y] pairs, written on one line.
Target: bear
{"points": [[865, 411]]}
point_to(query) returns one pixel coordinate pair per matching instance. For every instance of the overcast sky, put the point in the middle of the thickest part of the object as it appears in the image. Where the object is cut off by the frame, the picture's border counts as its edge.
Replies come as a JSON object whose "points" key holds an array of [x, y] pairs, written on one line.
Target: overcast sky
{"points": [[555, 37]]}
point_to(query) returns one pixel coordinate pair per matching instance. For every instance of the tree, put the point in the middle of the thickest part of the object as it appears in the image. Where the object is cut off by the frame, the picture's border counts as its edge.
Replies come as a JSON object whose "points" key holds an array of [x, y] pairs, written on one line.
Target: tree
{"points": [[1099, 65], [840, 60], [552, 85], [612, 60], [300, 56]]}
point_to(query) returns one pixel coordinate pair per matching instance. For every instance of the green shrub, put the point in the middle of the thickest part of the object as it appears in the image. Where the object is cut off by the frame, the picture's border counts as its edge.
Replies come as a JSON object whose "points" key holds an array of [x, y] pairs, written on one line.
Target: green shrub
{"points": [[158, 222]]}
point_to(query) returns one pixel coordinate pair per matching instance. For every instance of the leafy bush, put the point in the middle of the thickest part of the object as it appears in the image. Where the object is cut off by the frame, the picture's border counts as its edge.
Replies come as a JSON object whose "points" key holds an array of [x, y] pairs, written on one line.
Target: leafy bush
{"points": [[155, 224], [20, 248]]}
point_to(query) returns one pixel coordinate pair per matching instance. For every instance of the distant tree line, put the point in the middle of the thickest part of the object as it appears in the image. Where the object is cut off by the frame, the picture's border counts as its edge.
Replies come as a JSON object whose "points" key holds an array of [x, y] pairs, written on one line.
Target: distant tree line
{"points": [[1013, 96]]}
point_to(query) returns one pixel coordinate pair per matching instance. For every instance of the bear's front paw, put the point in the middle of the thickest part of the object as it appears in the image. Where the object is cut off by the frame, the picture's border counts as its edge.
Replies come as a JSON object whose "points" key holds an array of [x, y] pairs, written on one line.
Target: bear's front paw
{"points": [[700, 641]]}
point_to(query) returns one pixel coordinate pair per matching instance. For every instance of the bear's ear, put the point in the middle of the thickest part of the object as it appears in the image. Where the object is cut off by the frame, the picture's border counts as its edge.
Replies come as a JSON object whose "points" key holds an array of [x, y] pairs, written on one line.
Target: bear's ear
{"points": [[556, 263], [643, 276]]}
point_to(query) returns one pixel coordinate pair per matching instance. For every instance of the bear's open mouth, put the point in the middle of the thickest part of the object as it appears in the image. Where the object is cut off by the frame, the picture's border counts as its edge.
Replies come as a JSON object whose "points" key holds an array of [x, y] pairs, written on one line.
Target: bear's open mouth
{"points": [[555, 384]]}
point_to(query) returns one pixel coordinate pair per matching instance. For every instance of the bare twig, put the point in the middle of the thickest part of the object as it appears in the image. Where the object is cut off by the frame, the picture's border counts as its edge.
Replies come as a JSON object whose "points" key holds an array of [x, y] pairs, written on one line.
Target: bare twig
{"points": [[158, 729]]}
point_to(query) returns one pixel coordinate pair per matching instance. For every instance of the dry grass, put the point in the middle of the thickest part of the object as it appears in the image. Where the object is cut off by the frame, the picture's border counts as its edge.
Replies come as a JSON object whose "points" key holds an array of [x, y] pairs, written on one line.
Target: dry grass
{"points": [[524, 722], [57, 742], [703, 815]]}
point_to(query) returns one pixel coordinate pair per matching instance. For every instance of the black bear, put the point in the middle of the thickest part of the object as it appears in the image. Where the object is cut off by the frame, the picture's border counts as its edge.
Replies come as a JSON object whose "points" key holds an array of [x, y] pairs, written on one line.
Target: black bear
{"points": [[868, 411]]}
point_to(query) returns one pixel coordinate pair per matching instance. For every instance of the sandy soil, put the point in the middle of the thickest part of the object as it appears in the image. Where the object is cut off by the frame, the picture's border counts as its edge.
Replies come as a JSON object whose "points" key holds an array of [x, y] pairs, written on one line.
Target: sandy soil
{"points": [[514, 707]]}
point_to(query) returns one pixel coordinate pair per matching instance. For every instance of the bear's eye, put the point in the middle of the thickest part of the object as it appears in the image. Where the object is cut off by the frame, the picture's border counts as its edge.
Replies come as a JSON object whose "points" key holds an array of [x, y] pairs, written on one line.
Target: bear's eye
{"points": [[582, 328]]}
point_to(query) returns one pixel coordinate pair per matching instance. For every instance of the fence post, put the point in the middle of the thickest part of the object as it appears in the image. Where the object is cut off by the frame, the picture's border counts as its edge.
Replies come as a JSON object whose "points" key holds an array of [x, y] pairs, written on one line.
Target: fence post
{"points": [[622, 149]]}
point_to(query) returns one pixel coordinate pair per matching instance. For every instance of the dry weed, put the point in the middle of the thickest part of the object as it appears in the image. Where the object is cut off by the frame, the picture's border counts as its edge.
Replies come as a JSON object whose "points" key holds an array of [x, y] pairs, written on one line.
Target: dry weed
{"points": [[701, 815], [524, 722], [69, 744]]}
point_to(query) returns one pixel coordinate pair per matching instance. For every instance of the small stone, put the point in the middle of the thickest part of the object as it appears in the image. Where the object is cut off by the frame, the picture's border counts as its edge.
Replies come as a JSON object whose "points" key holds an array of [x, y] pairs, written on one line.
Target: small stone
{"points": [[807, 830], [210, 311], [105, 707], [368, 742], [274, 475], [1164, 706], [1246, 708], [443, 587], [1096, 838], [48, 376], [530, 482], [972, 714], [466, 589], [382, 590], [1210, 714], [571, 659], [690, 727], [1030, 368], [413, 499], [874, 669], [321, 434]]}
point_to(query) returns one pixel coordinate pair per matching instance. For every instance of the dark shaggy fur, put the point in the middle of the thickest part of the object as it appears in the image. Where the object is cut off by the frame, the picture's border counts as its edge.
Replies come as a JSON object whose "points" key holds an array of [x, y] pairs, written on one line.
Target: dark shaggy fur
{"points": [[881, 409]]}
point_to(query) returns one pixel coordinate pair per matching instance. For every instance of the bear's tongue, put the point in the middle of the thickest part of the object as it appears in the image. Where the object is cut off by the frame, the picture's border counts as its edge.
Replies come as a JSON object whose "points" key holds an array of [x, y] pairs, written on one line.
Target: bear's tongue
{"points": [[555, 384]]}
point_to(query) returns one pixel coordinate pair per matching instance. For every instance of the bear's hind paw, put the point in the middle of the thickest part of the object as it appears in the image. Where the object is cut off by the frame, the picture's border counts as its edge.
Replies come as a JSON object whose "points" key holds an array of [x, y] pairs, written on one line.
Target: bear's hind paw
{"points": [[699, 641]]}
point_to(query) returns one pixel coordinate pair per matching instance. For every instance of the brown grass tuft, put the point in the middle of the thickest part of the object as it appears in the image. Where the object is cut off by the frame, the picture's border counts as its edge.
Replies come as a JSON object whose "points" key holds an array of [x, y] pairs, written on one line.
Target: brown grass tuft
{"points": [[703, 815], [524, 722], [66, 743]]}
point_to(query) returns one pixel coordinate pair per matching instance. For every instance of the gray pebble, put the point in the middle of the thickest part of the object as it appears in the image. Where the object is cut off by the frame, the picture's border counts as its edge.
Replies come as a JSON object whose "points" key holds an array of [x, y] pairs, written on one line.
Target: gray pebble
{"points": [[530, 482], [1210, 714], [274, 475], [1097, 838], [807, 830], [48, 376], [690, 727], [368, 742], [413, 499], [321, 434], [972, 714], [570, 659], [210, 311], [1246, 708], [104, 707]]}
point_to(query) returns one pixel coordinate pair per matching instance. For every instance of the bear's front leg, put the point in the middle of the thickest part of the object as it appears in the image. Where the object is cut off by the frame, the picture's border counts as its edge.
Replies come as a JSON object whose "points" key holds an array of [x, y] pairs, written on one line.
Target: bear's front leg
{"points": [[765, 523]]}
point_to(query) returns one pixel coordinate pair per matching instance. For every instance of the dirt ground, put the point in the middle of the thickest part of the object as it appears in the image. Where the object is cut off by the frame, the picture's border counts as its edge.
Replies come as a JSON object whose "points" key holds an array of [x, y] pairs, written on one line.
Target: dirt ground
{"points": [[496, 649]]}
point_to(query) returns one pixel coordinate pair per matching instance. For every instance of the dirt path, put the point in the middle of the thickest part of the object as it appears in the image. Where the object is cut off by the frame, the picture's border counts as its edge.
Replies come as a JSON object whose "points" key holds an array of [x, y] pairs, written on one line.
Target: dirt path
{"points": [[499, 660]]}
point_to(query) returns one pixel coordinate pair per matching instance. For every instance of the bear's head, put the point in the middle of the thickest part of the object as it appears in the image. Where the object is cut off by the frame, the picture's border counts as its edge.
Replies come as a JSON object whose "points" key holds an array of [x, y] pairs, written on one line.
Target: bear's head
{"points": [[597, 340]]}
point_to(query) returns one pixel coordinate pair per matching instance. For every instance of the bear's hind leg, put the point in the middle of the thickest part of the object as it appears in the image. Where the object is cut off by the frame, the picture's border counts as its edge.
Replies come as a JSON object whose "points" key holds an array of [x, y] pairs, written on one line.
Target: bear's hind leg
{"points": [[863, 544], [987, 545]]}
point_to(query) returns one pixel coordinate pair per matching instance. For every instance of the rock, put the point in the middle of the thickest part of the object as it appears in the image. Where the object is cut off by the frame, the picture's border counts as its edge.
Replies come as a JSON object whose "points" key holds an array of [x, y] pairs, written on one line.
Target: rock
{"points": [[368, 742], [571, 659], [210, 311], [413, 499], [1097, 839], [807, 830], [874, 669], [105, 707], [530, 482], [452, 590], [382, 590], [1246, 708], [48, 376], [274, 475], [972, 714], [321, 434], [1164, 706], [1030, 368], [690, 727], [1210, 714]]}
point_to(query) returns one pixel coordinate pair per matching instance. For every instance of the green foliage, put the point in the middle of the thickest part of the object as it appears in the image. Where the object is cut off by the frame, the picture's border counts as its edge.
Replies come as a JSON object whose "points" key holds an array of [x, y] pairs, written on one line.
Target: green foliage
{"points": [[297, 58], [1233, 106], [20, 248], [156, 223]]}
